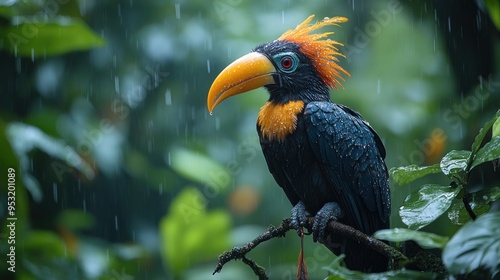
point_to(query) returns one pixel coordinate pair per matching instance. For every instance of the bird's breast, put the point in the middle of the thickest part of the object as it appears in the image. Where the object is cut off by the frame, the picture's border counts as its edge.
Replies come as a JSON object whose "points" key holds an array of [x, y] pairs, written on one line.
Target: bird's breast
{"points": [[276, 121]]}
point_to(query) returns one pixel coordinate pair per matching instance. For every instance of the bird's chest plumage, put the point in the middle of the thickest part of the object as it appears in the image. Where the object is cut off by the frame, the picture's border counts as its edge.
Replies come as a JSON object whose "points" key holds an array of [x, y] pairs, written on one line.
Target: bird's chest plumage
{"points": [[286, 148]]}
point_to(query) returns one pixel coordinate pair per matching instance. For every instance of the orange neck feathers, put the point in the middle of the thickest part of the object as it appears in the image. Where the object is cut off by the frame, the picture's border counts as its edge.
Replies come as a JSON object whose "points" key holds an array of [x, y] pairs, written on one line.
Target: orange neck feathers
{"points": [[276, 121], [323, 53]]}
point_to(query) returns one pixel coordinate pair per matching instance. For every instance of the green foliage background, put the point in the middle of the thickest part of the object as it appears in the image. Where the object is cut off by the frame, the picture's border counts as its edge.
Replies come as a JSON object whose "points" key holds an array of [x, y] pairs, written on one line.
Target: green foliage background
{"points": [[121, 173]]}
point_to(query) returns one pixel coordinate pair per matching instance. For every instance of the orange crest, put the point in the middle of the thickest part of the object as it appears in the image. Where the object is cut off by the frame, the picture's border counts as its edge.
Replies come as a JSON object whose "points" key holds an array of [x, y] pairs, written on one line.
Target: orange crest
{"points": [[323, 53]]}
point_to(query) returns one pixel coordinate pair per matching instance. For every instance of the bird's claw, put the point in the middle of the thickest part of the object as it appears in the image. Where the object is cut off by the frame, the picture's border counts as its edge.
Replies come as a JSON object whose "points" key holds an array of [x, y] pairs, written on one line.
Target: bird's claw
{"points": [[299, 217], [329, 211]]}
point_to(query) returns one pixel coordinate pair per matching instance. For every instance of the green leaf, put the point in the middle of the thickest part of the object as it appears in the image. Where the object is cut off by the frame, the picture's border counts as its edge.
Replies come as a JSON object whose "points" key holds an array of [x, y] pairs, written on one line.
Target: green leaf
{"points": [[338, 272], [482, 133], [426, 204], [454, 162], [44, 244], [189, 234], [24, 138], [406, 174], [424, 239], [6, 10], [488, 152], [479, 203], [475, 248], [200, 169], [30, 37], [495, 131], [493, 8], [75, 219]]}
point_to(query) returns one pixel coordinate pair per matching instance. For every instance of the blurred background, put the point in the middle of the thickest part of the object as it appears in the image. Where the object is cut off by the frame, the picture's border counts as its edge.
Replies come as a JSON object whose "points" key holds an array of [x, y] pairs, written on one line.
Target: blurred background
{"points": [[121, 172]]}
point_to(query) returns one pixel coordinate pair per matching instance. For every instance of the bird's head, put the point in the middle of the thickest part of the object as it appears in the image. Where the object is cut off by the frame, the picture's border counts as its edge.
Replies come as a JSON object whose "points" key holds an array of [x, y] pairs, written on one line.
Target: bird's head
{"points": [[299, 65]]}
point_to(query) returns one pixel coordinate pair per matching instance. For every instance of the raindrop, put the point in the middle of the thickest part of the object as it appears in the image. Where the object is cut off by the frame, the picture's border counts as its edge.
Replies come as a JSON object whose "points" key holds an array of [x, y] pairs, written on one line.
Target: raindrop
{"points": [[32, 54], [18, 65], [177, 10], [84, 206], [283, 16], [208, 66], [168, 97], [54, 190], [378, 87], [116, 222], [449, 24], [217, 123], [117, 84], [120, 13]]}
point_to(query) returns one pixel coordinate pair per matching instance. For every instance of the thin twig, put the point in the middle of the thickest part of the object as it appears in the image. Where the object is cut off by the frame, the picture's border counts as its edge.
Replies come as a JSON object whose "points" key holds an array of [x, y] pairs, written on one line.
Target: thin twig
{"points": [[240, 252], [257, 269]]}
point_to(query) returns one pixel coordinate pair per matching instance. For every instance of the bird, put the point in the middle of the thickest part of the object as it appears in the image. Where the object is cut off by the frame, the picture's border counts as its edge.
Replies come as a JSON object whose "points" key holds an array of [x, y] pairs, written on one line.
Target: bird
{"points": [[328, 160]]}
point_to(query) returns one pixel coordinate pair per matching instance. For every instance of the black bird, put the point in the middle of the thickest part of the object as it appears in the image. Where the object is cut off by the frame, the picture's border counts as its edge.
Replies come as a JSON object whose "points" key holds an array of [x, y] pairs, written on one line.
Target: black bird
{"points": [[326, 157]]}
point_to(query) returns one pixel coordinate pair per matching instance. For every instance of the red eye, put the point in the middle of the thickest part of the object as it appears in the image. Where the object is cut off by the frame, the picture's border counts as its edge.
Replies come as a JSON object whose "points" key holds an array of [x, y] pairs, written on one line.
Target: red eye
{"points": [[286, 62]]}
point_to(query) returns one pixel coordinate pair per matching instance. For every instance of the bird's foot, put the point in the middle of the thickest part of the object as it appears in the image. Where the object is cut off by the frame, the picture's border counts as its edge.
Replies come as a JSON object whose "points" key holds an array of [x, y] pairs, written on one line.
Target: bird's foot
{"points": [[329, 211], [299, 217]]}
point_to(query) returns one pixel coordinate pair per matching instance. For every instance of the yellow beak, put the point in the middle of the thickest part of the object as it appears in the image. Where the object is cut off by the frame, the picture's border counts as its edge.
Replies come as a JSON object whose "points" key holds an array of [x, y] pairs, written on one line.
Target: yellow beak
{"points": [[248, 72]]}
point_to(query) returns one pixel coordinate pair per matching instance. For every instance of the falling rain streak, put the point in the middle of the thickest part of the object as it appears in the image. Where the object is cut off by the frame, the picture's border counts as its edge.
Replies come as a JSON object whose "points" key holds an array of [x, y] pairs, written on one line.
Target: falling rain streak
{"points": [[54, 190], [178, 10], [168, 97]]}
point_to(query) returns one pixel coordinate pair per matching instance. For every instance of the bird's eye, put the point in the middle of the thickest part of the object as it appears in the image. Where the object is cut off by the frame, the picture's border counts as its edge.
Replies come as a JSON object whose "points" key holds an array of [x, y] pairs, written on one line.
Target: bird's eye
{"points": [[287, 62]]}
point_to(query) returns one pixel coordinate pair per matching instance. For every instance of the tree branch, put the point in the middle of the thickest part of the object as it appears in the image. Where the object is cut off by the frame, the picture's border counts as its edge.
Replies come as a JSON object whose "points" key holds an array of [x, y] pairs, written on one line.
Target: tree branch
{"points": [[333, 226], [345, 231], [240, 252]]}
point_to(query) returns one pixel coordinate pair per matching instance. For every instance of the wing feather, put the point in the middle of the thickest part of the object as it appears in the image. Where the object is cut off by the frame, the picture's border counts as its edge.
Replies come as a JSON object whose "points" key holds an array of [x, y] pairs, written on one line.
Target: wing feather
{"points": [[352, 157]]}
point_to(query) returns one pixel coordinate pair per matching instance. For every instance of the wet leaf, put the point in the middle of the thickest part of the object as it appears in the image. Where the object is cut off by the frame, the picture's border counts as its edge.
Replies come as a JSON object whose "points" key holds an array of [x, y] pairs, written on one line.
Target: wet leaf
{"points": [[495, 131], [189, 232], [454, 162], [24, 138], [426, 240], [27, 36], [339, 272], [475, 247], [426, 204], [482, 133], [479, 204], [406, 174], [488, 152]]}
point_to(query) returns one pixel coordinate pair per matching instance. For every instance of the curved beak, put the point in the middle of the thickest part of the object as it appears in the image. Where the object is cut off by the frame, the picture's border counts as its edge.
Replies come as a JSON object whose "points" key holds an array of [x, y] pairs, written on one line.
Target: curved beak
{"points": [[248, 72]]}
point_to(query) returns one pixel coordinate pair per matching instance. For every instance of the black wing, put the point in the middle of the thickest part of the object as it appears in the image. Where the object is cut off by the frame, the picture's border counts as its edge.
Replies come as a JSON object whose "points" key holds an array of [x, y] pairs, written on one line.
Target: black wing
{"points": [[351, 155]]}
